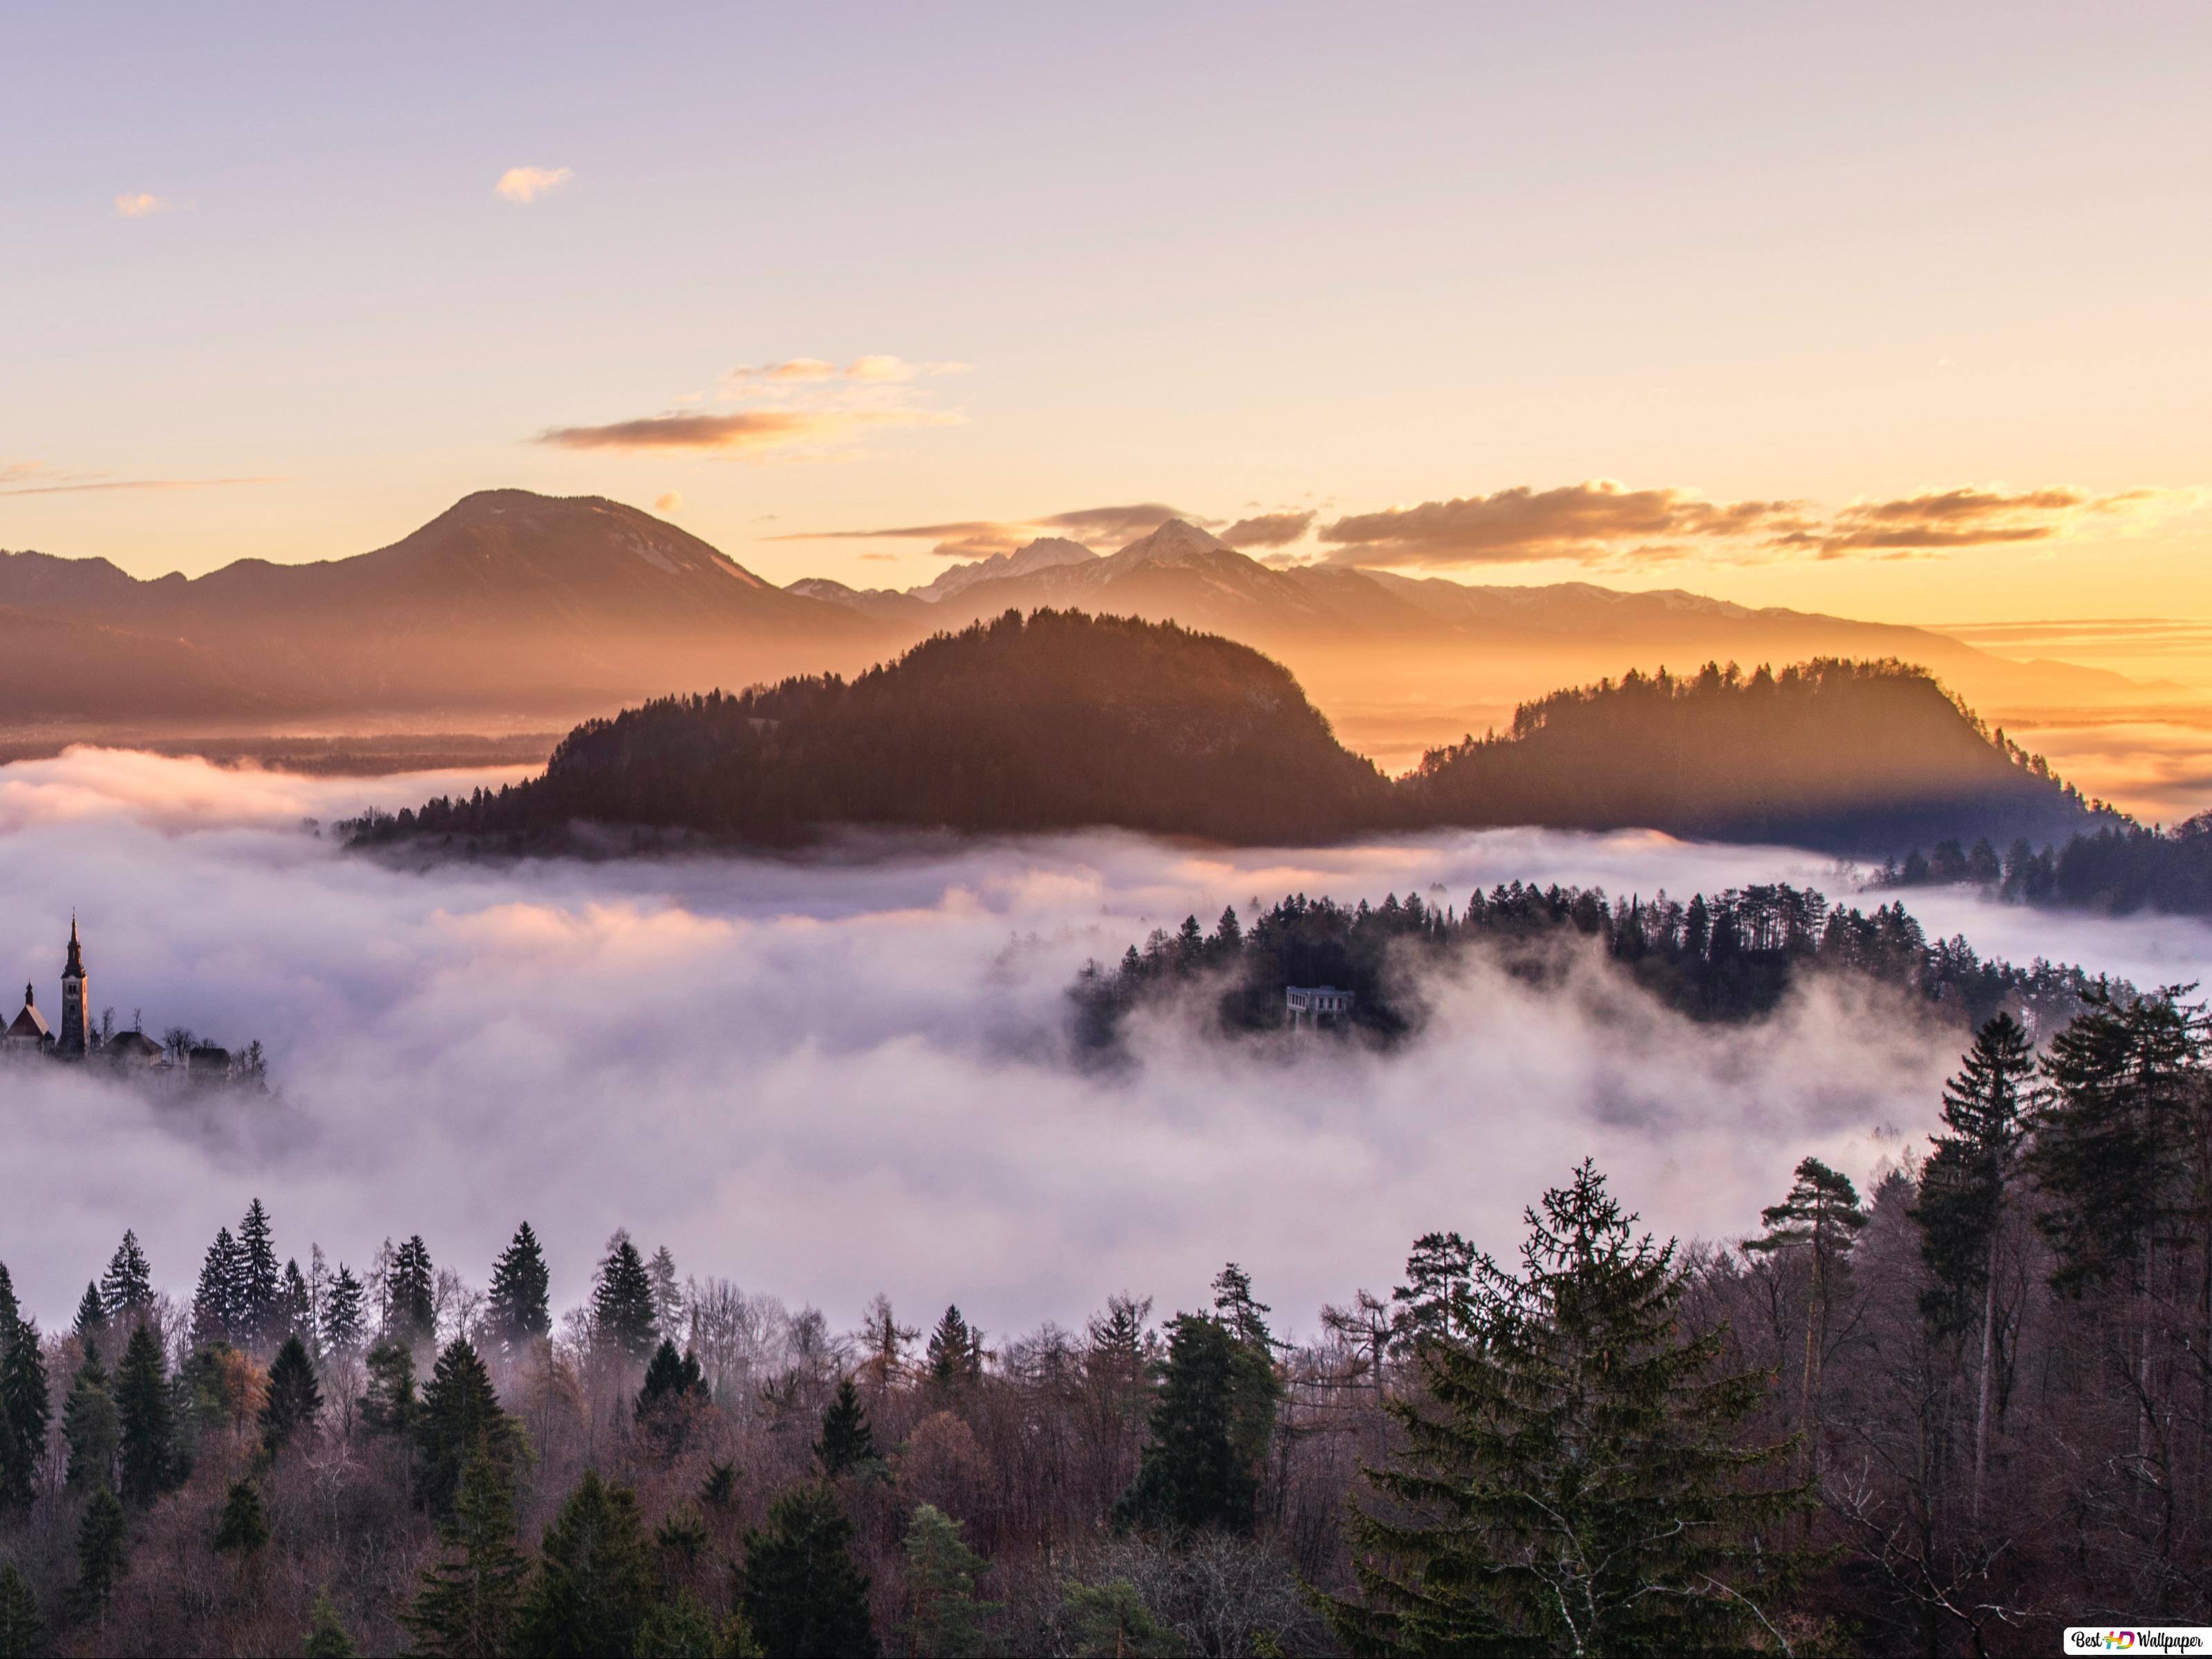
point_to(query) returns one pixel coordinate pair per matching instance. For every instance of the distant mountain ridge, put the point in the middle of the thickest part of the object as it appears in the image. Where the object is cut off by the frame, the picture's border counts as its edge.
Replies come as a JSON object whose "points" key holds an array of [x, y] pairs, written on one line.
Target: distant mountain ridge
{"points": [[1061, 721], [506, 598]]}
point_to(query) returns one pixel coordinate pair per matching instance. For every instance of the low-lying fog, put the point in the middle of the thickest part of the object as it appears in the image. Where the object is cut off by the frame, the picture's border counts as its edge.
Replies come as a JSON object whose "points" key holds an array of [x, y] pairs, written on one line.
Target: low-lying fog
{"points": [[829, 1077]]}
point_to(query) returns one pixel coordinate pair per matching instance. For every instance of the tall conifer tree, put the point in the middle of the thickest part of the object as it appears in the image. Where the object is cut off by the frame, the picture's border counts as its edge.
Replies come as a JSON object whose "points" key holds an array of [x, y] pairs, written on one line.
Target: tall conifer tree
{"points": [[467, 1606], [260, 1282], [146, 1417], [295, 1398], [24, 1409], [800, 1590], [621, 1301], [412, 1316], [127, 1286], [520, 1309], [90, 1426], [594, 1580], [459, 1417]]}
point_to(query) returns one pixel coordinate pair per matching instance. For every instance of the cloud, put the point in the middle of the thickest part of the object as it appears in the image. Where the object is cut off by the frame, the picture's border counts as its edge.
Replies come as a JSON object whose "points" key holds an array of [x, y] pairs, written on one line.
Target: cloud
{"points": [[846, 1073], [1601, 521], [746, 432], [528, 183], [978, 539], [749, 379], [1268, 530], [1583, 522], [137, 204], [1940, 520], [35, 478], [668, 502]]}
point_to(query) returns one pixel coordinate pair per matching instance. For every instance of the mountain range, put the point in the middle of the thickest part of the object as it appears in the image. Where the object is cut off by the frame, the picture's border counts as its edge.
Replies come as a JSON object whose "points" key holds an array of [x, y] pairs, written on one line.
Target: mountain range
{"points": [[513, 605]]}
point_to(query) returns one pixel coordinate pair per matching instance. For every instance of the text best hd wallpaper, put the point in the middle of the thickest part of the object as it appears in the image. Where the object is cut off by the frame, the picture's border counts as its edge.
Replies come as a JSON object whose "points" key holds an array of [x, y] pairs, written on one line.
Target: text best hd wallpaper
{"points": [[1204, 829]]}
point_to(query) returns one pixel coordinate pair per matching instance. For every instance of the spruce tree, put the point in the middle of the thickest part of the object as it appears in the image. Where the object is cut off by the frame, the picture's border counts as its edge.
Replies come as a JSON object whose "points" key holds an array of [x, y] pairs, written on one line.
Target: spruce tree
{"points": [[2113, 1143], [460, 1417], [467, 1606], [621, 1301], [294, 1397], [90, 1425], [941, 1572], [243, 1527], [127, 1287], [260, 1283], [1820, 1219], [22, 1631], [1210, 1425], [594, 1579], [91, 1324], [296, 1307], [1571, 1478], [146, 1416], [326, 1636], [673, 1389], [847, 1442], [24, 1409], [344, 1318], [1966, 1189], [800, 1590], [519, 1308], [103, 1555], [667, 1292], [218, 1303], [411, 1317], [954, 1357], [390, 1406]]}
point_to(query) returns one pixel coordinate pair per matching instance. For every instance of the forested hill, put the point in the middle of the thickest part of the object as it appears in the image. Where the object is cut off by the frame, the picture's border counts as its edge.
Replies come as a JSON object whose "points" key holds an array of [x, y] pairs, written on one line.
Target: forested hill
{"points": [[1057, 720], [1846, 756], [1063, 721]]}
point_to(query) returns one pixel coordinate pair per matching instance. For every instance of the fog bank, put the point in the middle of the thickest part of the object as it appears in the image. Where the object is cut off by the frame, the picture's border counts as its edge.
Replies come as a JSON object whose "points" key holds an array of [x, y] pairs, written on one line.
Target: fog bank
{"points": [[829, 1076]]}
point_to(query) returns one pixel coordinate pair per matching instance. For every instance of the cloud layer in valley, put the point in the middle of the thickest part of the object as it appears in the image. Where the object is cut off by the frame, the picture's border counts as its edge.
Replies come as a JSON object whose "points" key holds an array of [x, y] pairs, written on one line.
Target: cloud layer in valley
{"points": [[824, 1077]]}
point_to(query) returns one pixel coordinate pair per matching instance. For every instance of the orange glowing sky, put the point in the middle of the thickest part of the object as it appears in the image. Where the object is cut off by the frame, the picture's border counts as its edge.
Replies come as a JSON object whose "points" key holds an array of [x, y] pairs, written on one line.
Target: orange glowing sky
{"points": [[1888, 311]]}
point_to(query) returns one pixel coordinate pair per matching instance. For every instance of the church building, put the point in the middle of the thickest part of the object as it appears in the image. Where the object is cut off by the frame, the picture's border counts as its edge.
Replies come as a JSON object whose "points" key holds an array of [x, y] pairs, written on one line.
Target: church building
{"points": [[31, 1033]]}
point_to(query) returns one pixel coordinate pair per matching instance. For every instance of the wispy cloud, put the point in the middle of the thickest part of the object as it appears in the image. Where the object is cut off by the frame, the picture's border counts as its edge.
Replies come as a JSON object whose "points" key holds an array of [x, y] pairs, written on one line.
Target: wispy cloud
{"points": [[1268, 530], [528, 183], [138, 205], [36, 478], [743, 432], [1603, 521], [750, 379], [976, 538]]}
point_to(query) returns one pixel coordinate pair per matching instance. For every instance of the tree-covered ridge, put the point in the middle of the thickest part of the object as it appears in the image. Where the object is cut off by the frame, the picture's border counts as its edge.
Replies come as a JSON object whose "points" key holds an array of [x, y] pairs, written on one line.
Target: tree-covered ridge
{"points": [[1731, 956], [1950, 1415], [2116, 867], [1057, 720], [1063, 721], [1851, 756]]}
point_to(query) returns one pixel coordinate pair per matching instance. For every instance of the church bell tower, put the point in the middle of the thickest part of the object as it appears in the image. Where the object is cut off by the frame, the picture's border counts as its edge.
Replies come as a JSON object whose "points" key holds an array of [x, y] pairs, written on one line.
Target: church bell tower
{"points": [[77, 1004]]}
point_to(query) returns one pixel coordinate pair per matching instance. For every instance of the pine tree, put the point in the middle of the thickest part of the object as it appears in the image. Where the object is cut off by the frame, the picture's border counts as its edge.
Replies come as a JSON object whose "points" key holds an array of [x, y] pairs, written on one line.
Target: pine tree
{"points": [[243, 1526], [127, 1286], [667, 1292], [103, 1555], [519, 1308], [91, 1315], [326, 1636], [344, 1322], [260, 1284], [1435, 1302], [2112, 1144], [1965, 1187], [412, 1316], [621, 1301], [673, 1387], [941, 1571], [218, 1303], [467, 1606], [1245, 1315], [1819, 1216], [294, 1397], [1210, 1427], [22, 1631], [594, 1578], [801, 1591], [847, 1442], [90, 1425], [24, 1409], [390, 1406], [146, 1416], [954, 1357], [1571, 1480], [461, 1416]]}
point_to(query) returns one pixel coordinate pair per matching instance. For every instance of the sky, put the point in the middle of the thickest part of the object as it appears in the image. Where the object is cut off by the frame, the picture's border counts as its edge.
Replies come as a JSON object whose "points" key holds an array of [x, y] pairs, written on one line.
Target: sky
{"points": [[1890, 311], [851, 1072]]}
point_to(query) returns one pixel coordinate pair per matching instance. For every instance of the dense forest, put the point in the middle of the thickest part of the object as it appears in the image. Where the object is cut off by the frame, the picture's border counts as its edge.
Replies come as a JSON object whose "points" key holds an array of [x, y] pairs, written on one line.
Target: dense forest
{"points": [[2115, 868], [1949, 1415], [1729, 958], [1063, 721]]}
